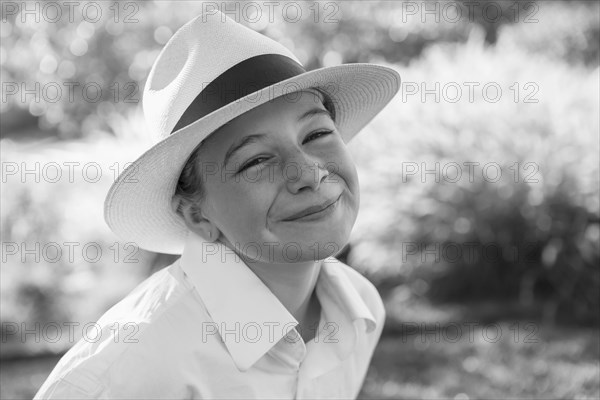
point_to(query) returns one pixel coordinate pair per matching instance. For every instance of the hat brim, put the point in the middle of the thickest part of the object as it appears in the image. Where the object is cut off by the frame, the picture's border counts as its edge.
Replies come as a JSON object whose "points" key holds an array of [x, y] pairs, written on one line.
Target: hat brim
{"points": [[138, 206]]}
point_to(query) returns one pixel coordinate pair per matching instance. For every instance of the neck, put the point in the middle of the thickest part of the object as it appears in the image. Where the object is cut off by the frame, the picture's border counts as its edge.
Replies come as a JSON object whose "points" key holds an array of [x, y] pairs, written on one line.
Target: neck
{"points": [[292, 283]]}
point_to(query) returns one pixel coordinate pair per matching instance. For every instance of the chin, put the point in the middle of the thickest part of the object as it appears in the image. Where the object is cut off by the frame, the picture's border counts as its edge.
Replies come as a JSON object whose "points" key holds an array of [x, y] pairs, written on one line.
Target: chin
{"points": [[313, 241], [318, 245]]}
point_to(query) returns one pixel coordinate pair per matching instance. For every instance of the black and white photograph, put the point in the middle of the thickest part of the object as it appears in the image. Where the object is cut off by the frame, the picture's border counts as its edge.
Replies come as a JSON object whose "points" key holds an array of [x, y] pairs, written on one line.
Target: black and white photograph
{"points": [[300, 199]]}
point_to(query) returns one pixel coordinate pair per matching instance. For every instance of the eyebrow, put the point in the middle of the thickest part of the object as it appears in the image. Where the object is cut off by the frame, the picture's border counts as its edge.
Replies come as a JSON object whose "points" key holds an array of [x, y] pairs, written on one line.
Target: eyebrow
{"points": [[256, 137], [313, 112], [244, 142]]}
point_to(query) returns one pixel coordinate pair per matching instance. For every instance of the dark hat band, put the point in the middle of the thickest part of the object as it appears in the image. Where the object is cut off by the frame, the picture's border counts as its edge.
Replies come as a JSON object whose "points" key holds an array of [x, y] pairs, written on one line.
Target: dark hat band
{"points": [[244, 78]]}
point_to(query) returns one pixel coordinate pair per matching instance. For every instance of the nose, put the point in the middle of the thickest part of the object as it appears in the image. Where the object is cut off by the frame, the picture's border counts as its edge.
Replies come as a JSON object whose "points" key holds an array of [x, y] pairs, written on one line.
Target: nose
{"points": [[304, 173]]}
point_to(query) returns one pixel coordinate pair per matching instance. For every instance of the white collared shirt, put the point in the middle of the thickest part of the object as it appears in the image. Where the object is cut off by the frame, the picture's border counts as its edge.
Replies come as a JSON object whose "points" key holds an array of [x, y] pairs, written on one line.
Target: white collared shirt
{"points": [[207, 327]]}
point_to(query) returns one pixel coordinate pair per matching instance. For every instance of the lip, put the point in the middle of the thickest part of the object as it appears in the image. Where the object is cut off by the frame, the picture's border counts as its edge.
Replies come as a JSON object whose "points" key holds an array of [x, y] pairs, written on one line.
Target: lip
{"points": [[314, 212]]}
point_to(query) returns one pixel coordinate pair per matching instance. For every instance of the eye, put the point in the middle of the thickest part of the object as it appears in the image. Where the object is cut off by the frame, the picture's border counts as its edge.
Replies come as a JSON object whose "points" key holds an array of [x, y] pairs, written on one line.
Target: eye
{"points": [[252, 163], [317, 135]]}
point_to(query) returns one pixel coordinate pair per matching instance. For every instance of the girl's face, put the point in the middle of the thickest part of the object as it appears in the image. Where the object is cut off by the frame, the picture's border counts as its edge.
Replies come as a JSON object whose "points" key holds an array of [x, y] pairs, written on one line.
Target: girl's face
{"points": [[268, 172]]}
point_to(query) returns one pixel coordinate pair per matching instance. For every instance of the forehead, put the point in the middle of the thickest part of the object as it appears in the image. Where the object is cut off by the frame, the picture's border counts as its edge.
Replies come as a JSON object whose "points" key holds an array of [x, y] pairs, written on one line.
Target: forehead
{"points": [[283, 109]]}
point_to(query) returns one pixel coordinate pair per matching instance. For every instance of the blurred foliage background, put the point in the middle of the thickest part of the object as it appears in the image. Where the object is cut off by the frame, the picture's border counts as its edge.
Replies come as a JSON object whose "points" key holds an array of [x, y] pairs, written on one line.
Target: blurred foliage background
{"points": [[540, 218]]}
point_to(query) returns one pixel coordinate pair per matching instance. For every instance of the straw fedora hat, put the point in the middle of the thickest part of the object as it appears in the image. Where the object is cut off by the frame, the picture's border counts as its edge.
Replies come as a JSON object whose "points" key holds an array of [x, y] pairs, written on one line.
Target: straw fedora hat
{"points": [[212, 70]]}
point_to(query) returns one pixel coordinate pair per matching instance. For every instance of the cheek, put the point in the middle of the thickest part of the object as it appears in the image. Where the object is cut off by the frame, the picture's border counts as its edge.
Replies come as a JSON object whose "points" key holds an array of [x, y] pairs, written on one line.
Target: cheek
{"points": [[239, 208], [348, 173], [346, 168]]}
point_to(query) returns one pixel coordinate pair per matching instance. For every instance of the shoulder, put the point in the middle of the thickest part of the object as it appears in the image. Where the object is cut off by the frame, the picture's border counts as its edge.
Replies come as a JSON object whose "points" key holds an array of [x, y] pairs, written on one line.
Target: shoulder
{"points": [[145, 308], [151, 297], [128, 343]]}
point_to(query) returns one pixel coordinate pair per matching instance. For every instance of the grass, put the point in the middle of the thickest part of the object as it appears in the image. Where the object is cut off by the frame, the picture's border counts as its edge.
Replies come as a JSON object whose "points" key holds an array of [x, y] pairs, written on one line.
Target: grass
{"points": [[563, 363]]}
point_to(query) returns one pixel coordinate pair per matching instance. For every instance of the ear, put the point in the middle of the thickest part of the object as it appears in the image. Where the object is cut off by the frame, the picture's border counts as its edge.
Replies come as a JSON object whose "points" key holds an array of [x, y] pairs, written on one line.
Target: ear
{"points": [[197, 222]]}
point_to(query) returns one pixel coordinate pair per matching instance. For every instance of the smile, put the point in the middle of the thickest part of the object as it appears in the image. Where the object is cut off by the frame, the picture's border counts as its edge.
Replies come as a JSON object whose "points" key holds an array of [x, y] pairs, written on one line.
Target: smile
{"points": [[315, 212]]}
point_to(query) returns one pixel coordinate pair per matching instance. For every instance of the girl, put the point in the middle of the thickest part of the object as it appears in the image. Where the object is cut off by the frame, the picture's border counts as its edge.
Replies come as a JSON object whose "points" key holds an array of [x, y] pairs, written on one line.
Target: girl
{"points": [[252, 183]]}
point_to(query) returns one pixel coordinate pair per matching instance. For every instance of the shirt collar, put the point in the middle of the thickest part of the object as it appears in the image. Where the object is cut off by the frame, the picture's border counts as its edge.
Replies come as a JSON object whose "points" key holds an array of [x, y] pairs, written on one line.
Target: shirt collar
{"points": [[236, 298], [345, 317], [336, 284]]}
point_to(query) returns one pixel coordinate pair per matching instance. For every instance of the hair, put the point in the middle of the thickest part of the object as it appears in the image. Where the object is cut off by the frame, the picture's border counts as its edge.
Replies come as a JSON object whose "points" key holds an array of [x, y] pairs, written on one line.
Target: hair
{"points": [[190, 189]]}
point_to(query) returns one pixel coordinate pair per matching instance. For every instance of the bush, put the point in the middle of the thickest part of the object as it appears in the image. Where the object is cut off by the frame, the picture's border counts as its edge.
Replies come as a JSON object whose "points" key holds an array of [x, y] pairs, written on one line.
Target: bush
{"points": [[544, 206]]}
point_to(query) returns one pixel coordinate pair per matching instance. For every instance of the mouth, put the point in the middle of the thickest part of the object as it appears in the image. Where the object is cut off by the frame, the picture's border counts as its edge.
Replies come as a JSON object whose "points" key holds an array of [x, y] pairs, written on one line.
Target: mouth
{"points": [[314, 212]]}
